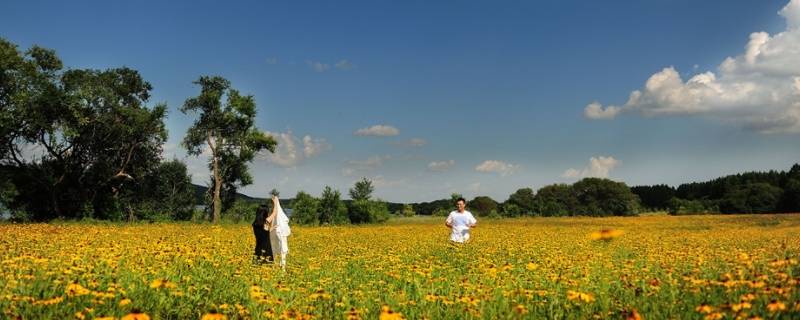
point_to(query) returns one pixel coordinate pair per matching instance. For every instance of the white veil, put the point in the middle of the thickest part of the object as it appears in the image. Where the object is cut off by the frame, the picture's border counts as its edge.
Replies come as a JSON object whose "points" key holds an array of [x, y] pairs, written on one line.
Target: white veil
{"points": [[282, 222]]}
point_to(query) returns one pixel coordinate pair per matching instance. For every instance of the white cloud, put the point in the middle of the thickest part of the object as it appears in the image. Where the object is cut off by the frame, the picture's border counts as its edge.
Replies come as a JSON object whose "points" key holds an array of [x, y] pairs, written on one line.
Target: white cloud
{"points": [[344, 65], [288, 155], [318, 66], [441, 165], [595, 111], [599, 167], [353, 167], [757, 90], [494, 166], [313, 147], [379, 130], [414, 142]]}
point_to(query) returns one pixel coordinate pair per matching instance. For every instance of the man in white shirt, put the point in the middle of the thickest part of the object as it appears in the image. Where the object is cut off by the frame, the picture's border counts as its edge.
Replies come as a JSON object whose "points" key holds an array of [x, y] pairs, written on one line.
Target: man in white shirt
{"points": [[460, 221]]}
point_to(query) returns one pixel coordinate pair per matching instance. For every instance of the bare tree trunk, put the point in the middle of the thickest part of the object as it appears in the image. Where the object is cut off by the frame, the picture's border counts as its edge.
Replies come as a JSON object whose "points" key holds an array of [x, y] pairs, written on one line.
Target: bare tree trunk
{"points": [[217, 182]]}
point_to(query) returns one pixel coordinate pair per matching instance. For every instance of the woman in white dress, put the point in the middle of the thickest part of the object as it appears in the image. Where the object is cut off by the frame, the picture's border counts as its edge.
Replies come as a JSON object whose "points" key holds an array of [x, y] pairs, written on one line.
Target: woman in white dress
{"points": [[279, 231]]}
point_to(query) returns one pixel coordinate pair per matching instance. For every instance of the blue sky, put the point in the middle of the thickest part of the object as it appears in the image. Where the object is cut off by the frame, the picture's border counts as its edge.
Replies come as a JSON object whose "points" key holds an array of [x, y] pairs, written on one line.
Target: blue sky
{"points": [[474, 97]]}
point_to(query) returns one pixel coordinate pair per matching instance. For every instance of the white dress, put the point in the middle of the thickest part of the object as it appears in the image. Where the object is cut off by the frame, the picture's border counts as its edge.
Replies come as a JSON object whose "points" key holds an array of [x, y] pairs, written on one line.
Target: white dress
{"points": [[279, 233]]}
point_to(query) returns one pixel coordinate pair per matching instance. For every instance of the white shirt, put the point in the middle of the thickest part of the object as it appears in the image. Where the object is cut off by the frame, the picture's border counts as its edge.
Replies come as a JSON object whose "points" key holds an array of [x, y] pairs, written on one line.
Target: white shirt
{"points": [[459, 225]]}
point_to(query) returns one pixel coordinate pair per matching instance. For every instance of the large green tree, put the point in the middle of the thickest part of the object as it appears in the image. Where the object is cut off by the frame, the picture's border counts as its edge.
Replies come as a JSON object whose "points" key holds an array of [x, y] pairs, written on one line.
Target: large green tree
{"points": [[228, 130], [604, 197], [74, 142], [521, 199], [555, 200]]}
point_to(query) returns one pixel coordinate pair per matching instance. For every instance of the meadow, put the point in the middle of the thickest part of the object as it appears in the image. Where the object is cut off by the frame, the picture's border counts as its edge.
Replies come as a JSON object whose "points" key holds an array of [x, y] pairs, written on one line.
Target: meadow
{"points": [[650, 267]]}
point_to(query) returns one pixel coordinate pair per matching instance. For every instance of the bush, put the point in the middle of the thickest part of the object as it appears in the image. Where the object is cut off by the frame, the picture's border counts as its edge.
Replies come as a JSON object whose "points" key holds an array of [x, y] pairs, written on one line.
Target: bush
{"points": [[305, 209], [368, 211], [677, 206], [241, 211]]}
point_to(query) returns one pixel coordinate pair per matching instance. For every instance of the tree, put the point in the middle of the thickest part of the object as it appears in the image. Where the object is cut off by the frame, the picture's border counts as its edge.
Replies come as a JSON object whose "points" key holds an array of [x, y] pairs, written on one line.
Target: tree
{"points": [[171, 191], [752, 198], [555, 200], [368, 211], [522, 200], [790, 202], [332, 208], [408, 211], [305, 209], [483, 205], [654, 197], [510, 210], [362, 190], [230, 134], [603, 197], [92, 135], [364, 210]]}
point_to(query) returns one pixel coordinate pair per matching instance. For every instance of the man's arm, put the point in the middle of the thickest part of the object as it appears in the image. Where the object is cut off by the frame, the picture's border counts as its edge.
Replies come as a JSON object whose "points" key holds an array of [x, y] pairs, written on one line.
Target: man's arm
{"points": [[447, 222]]}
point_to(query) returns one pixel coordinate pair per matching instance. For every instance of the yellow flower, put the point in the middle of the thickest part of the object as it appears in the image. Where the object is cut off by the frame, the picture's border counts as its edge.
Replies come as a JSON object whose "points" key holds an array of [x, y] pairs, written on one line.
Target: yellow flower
{"points": [[605, 234], [531, 266], [704, 308], [579, 296], [713, 316], [124, 302], [775, 306], [75, 289], [136, 315], [213, 315], [388, 314], [352, 314], [632, 315], [162, 283], [521, 309]]}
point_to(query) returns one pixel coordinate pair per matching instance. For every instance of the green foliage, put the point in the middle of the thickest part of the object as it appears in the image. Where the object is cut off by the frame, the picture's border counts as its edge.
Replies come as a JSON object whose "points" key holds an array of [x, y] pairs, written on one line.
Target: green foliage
{"points": [[228, 130], [408, 211], [241, 211], [519, 203], [510, 210], [440, 212], [305, 209], [332, 208], [603, 197], [362, 190], [95, 136], [482, 205], [751, 198], [555, 200], [677, 206], [790, 201], [368, 211], [654, 197], [170, 190]]}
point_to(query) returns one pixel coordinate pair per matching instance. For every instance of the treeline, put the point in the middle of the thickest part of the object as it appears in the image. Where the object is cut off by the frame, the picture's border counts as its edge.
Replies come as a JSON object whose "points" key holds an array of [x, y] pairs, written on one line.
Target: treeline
{"points": [[750, 192], [587, 197]]}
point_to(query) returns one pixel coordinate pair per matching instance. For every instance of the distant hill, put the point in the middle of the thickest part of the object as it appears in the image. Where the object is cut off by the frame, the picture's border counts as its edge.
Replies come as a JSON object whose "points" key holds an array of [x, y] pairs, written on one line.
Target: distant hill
{"points": [[200, 191]]}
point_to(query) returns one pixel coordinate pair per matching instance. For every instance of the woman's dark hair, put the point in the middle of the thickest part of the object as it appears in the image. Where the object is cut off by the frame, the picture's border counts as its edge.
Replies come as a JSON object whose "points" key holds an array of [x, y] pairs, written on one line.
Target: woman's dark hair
{"points": [[261, 215]]}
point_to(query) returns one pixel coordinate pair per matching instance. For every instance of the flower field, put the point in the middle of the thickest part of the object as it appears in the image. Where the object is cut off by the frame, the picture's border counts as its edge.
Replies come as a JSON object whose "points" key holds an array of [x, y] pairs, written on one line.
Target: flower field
{"points": [[655, 267]]}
